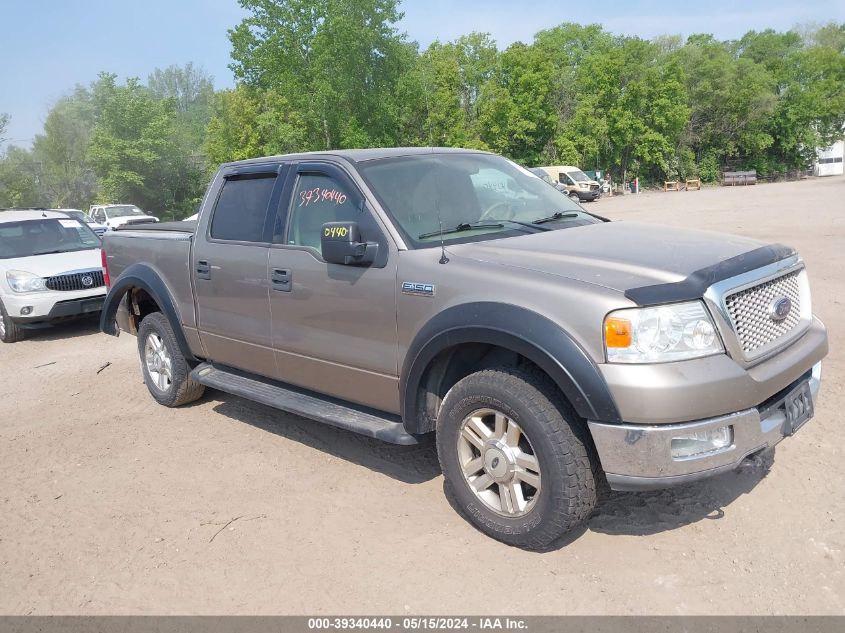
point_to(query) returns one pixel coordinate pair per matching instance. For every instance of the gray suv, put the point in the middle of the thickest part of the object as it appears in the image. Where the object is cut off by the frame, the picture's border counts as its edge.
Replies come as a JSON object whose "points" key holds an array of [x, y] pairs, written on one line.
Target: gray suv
{"points": [[404, 292]]}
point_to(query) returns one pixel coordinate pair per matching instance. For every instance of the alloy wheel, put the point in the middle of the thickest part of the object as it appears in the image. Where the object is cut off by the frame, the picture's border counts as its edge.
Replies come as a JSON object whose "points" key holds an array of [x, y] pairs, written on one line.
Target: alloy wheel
{"points": [[158, 362], [498, 462]]}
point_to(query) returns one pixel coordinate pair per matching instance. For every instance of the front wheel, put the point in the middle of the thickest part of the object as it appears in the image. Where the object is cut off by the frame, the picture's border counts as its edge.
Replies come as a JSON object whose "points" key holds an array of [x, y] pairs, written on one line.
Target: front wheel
{"points": [[516, 457], [166, 372], [574, 197], [10, 332]]}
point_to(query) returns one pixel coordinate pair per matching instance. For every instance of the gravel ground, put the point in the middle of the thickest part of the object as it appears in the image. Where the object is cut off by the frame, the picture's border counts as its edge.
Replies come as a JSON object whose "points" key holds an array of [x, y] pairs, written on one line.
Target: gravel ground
{"points": [[112, 504]]}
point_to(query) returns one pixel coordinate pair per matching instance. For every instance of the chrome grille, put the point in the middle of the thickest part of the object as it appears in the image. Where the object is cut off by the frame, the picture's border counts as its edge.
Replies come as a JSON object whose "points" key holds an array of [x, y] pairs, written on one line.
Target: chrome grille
{"points": [[76, 281], [750, 311]]}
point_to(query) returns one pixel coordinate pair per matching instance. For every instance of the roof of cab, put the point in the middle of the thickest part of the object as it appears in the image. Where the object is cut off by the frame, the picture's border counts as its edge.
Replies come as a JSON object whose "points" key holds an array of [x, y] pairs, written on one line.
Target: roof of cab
{"points": [[362, 155], [19, 215]]}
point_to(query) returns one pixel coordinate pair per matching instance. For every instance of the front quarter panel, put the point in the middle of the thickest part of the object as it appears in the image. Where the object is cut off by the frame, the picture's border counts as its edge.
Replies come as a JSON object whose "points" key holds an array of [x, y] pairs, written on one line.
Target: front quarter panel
{"points": [[541, 310]]}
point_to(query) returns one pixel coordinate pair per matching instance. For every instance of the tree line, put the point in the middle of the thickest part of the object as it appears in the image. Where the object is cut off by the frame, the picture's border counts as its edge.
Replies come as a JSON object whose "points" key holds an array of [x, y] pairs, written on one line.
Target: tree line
{"points": [[324, 74]]}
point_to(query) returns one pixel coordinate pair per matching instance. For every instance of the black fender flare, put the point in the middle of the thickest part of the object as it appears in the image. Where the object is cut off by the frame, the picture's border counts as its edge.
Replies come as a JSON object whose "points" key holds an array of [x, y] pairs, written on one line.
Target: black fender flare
{"points": [[144, 277], [541, 340]]}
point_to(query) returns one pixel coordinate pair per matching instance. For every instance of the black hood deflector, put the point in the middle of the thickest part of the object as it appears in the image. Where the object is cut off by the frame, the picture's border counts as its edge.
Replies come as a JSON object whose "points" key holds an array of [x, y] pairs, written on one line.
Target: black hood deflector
{"points": [[694, 286]]}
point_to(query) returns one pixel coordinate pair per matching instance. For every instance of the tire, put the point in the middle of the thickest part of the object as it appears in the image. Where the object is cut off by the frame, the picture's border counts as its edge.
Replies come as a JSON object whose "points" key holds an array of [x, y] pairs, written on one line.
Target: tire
{"points": [[574, 196], [10, 332], [172, 385], [569, 473]]}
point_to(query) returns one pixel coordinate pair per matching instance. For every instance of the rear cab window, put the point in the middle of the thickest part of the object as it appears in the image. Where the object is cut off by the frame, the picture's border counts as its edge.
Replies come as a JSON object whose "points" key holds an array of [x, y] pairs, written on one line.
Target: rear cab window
{"points": [[241, 210]]}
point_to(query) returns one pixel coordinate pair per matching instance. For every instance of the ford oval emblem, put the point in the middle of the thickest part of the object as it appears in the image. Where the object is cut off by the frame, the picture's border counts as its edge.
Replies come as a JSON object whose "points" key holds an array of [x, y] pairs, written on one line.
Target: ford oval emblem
{"points": [[780, 308], [87, 281]]}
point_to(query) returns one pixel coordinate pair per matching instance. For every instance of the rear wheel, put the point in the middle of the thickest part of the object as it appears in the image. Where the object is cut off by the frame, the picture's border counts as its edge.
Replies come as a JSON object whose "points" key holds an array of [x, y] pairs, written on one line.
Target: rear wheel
{"points": [[516, 457], [10, 332], [166, 372]]}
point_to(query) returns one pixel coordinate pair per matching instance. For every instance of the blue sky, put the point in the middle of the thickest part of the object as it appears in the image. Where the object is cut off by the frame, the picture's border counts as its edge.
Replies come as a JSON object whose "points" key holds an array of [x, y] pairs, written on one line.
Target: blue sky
{"points": [[48, 46]]}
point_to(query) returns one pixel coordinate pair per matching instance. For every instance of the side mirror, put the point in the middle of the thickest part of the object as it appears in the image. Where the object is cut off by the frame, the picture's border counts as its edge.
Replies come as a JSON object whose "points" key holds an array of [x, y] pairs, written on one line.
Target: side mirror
{"points": [[341, 244]]}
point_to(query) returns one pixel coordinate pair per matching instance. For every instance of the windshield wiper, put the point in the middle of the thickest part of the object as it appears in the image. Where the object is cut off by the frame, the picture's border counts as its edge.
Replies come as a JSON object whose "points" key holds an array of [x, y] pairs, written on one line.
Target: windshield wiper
{"points": [[487, 224], [557, 216], [57, 251], [48, 252], [463, 226]]}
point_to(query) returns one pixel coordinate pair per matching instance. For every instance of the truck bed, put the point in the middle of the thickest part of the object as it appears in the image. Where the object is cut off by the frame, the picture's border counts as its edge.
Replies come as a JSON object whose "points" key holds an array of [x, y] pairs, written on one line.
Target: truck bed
{"points": [[166, 248]]}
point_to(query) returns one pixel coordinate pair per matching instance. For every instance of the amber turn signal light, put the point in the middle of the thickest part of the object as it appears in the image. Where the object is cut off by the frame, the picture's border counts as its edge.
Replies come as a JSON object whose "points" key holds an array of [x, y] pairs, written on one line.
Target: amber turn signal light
{"points": [[617, 332]]}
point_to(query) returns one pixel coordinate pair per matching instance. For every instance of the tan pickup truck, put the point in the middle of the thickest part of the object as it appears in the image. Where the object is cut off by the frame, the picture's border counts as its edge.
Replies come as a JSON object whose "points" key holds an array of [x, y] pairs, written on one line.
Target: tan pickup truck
{"points": [[405, 292]]}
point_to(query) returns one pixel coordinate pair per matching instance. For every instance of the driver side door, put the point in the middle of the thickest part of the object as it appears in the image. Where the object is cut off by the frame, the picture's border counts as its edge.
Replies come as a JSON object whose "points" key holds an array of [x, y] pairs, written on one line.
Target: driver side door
{"points": [[333, 325]]}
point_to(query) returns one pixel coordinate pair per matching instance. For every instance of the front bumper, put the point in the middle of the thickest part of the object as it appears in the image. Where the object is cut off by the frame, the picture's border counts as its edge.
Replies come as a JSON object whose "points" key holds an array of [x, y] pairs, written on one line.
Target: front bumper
{"points": [[638, 457], [49, 306], [589, 195]]}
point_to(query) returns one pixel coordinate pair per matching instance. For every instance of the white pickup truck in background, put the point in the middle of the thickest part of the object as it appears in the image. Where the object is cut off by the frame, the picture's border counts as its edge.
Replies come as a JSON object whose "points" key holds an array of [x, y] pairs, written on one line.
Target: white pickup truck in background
{"points": [[115, 215]]}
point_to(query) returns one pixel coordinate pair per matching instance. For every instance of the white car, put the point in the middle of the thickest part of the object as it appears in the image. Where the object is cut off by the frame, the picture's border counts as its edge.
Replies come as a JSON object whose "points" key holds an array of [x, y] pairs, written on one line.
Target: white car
{"points": [[115, 215], [50, 269], [76, 214]]}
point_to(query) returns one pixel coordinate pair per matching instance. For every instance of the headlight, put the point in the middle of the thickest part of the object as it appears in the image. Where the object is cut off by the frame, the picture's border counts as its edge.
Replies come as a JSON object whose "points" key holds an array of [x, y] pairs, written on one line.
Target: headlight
{"points": [[660, 334], [21, 281]]}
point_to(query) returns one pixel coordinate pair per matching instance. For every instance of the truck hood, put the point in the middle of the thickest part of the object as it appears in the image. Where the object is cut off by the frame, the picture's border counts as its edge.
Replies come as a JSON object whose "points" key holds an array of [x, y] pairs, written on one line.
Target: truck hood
{"points": [[55, 263], [616, 255]]}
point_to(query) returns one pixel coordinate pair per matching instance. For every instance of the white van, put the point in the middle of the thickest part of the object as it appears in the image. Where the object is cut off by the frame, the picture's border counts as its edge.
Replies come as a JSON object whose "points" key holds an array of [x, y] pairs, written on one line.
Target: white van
{"points": [[575, 180]]}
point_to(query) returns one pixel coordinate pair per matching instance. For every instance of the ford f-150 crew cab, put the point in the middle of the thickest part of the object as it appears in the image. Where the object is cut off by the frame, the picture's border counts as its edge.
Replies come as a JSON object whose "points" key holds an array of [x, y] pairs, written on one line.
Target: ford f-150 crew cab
{"points": [[402, 292]]}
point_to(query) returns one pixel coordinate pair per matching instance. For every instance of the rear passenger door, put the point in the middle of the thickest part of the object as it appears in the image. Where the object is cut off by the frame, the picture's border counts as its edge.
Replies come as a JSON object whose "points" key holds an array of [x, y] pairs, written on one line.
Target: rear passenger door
{"points": [[230, 268]]}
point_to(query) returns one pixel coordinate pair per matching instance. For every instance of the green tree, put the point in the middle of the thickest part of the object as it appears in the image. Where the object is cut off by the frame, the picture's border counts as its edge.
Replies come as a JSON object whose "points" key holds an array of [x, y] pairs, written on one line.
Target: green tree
{"points": [[19, 180], [516, 113], [338, 62], [133, 149], [449, 80], [730, 99], [569, 46], [192, 89], [4, 124], [248, 122], [62, 151], [808, 84], [634, 109], [811, 110]]}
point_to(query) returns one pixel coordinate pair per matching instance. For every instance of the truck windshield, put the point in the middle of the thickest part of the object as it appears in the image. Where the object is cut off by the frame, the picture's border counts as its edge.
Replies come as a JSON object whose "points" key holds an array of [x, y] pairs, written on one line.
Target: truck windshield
{"points": [[486, 196], [578, 176], [123, 210], [45, 236]]}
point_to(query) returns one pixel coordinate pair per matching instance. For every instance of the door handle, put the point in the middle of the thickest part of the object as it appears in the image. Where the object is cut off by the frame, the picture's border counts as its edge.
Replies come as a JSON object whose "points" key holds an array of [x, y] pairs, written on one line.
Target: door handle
{"points": [[281, 279], [203, 270]]}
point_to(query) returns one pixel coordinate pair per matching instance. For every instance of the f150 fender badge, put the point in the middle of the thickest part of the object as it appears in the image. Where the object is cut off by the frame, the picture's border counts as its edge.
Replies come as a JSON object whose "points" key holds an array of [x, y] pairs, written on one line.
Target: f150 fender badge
{"points": [[415, 288]]}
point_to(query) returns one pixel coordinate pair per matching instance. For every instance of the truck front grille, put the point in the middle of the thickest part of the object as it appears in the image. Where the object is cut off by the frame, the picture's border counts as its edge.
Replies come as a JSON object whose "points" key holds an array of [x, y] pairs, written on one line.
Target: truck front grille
{"points": [[751, 312], [76, 281]]}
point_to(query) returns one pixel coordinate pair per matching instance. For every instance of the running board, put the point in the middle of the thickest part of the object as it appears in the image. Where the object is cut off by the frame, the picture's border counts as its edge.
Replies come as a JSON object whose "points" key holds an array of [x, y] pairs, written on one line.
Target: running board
{"points": [[329, 411]]}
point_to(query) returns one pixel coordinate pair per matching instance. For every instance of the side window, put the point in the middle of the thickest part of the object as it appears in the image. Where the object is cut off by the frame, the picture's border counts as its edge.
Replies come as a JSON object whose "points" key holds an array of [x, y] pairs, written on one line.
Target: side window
{"points": [[318, 199], [241, 208], [565, 179]]}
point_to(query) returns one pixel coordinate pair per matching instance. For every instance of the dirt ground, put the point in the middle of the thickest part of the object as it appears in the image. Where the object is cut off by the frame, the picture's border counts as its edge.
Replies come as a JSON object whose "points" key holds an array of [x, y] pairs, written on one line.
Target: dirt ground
{"points": [[112, 504]]}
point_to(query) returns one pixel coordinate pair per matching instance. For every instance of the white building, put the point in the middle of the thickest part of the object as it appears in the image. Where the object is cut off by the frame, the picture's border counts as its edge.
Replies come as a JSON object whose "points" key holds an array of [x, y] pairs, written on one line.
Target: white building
{"points": [[829, 160]]}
